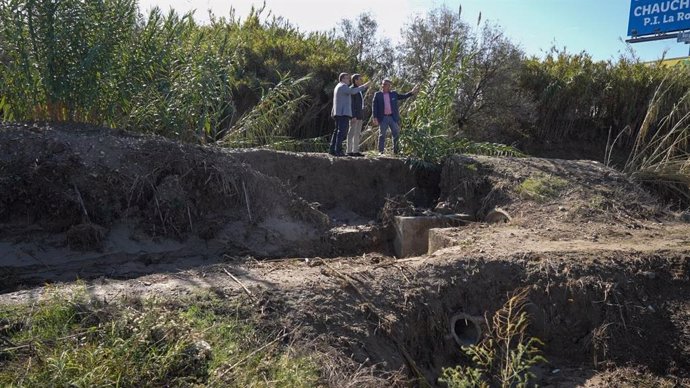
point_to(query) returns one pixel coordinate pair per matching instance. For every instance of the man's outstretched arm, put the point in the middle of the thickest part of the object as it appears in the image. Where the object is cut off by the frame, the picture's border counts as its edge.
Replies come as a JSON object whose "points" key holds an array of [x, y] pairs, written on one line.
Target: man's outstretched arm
{"points": [[409, 94]]}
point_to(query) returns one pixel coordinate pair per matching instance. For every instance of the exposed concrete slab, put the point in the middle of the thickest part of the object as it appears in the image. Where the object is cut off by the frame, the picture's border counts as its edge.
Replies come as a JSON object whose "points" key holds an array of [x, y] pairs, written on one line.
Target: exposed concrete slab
{"points": [[439, 239], [412, 233]]}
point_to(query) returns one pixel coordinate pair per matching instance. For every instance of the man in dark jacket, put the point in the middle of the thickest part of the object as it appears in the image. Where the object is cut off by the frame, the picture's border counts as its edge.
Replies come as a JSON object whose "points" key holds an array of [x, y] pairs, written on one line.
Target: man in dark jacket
{"points": [[386, 113], [357, 118]]}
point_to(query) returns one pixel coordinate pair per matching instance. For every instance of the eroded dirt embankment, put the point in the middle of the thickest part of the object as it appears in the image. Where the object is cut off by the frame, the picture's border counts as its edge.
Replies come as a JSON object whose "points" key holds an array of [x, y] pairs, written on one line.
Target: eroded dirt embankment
{"points": [[80, 202], [594, 310], [606, 265], [75, 199], [356, 185], [591, 309]]}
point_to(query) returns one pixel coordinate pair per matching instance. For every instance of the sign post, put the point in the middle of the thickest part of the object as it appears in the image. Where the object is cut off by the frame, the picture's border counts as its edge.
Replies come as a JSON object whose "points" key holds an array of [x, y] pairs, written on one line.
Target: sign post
{"points": [[658, 19]]}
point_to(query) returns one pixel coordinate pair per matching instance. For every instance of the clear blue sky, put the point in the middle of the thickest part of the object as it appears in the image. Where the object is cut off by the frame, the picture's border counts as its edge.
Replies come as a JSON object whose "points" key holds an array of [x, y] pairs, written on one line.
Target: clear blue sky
{"points": [[596, 26]]}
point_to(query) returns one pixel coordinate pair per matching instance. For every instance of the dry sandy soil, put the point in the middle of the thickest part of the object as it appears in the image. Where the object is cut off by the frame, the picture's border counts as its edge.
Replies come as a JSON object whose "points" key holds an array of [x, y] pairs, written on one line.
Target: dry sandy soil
{"points": [[606, 265]]}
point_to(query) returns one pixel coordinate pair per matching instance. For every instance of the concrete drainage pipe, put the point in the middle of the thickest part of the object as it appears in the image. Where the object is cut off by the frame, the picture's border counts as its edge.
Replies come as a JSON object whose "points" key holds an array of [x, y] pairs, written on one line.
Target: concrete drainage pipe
{"points": [[465, 329]]}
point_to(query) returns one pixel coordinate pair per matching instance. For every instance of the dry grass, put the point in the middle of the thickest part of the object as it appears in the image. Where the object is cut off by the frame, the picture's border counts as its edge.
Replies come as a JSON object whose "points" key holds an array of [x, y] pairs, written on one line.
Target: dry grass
{"points": [[661, 153]]}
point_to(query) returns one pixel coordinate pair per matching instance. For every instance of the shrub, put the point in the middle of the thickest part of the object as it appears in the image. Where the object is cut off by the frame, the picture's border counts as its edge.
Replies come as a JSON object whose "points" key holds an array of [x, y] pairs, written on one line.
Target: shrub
{"points": [[505, 356]]}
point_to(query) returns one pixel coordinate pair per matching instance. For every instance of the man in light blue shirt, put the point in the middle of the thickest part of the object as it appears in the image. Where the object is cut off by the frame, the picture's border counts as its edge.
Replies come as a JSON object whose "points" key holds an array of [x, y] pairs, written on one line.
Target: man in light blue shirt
{"points": [[342, 111]]}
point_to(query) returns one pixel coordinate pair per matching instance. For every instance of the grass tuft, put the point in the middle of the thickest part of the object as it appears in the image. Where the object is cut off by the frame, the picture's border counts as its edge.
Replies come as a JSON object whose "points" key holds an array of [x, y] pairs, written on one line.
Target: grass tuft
{"points": [[541, 187], [72, 340]]}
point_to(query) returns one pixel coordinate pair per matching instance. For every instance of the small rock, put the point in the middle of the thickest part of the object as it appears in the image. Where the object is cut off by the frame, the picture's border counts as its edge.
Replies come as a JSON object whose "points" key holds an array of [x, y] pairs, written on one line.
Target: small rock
{"points": [[199, 351], [562, 208], [497, 216]]}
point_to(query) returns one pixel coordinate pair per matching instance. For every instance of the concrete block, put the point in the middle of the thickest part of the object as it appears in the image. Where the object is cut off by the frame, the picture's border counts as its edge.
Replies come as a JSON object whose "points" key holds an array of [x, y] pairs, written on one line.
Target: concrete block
{"points": [[412, 233], [439, 239]]}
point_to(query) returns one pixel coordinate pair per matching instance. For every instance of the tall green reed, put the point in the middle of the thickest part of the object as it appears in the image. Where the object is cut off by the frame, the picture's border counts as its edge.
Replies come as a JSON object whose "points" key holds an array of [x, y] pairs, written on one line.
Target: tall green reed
{"points": [[103, 63], [268, 122], [661, 154], [187, 92], [60, 56], [430, 126]]}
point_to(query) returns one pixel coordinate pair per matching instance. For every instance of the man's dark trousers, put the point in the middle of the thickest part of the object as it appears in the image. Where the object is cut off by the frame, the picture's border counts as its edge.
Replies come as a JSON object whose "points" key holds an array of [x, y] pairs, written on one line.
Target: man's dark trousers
{"points": [[342, 123]]}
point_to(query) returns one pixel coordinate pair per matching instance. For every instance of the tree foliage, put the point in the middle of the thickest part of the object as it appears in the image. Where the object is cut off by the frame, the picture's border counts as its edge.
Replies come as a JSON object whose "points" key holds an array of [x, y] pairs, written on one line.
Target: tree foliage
{"points": [[371, 54], [429, 39], [430, 133], [490, 103]]}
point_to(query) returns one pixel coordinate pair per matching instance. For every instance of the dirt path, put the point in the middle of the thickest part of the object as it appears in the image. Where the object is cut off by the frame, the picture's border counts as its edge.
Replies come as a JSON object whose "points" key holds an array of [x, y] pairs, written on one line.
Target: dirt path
{"points": [[187, 273], [328, 294], [587, 237]]}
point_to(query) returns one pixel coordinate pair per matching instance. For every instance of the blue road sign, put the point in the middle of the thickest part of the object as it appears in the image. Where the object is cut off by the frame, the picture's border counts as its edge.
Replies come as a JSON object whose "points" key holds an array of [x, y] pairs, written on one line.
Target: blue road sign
{"points": [[648, 17]]}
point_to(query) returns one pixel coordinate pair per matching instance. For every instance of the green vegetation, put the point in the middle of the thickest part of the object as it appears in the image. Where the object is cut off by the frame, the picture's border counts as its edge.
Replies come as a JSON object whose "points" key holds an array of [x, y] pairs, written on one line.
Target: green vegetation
{"points": [[73, 340], [432, 133], [541, 187], [505, 356], [260, 81], [637, 110], [579, 99], [271, 117], [660, 153], [105, 64]]}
